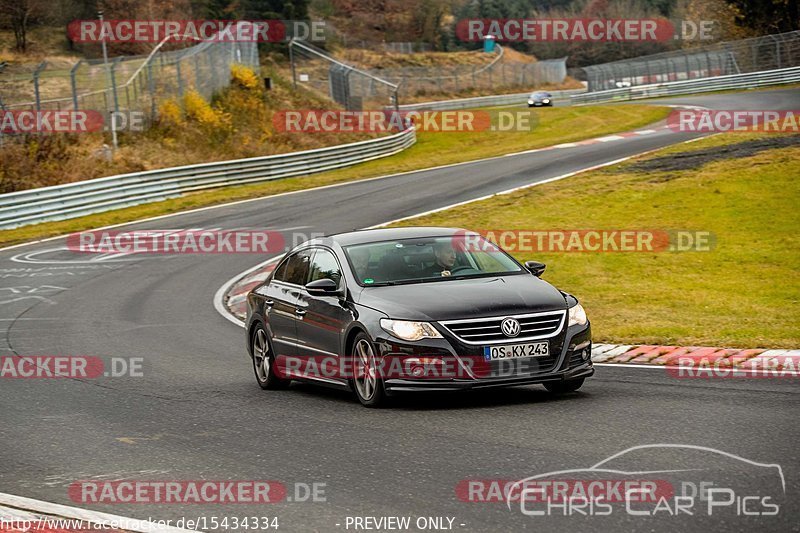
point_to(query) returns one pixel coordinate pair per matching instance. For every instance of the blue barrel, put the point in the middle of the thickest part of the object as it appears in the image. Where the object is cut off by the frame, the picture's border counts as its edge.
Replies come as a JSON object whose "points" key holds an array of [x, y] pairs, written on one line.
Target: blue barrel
{"points": [[488, 43]]}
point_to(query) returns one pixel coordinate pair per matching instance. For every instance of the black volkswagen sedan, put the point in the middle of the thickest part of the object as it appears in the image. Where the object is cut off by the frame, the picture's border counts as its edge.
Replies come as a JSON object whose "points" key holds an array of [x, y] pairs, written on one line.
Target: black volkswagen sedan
{"points": [[414, 309]]}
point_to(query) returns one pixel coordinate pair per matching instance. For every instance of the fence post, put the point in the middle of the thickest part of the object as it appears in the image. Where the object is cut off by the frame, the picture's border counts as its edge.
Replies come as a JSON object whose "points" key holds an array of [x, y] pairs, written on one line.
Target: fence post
{"points": [[113, 74], [777, 50], [36, 72], [180, 80], [197, 77], [74, 85], [212, 62], [2, 108], [151, 87], [291, 60]]}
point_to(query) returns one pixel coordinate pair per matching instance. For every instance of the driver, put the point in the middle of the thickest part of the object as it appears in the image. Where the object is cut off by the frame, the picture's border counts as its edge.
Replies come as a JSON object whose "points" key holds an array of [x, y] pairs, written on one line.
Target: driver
{"points": [[445, 260]]}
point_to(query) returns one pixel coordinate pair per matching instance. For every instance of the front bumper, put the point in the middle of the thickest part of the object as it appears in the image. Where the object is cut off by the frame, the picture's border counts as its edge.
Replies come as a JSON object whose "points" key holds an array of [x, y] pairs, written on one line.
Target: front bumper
{"points": [[570, 359]]}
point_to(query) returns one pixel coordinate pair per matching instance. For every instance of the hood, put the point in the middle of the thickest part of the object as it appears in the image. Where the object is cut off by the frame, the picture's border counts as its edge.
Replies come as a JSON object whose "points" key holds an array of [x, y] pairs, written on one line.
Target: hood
{"points": [[467, 298]]}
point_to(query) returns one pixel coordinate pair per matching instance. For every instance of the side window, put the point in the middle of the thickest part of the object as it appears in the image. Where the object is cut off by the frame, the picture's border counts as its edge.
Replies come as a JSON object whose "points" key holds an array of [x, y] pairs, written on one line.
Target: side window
{"points": [[297, 268], [280, 272], [325, 266]]}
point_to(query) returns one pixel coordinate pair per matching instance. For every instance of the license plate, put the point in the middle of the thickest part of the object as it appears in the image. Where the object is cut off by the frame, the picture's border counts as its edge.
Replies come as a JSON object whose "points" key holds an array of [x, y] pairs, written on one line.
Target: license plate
{"points": [[516, 351]]}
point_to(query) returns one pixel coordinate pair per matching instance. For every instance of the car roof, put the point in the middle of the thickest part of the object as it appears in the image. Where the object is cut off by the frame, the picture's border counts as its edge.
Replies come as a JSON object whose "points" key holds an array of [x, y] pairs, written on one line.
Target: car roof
{"points": [[388, 234]]}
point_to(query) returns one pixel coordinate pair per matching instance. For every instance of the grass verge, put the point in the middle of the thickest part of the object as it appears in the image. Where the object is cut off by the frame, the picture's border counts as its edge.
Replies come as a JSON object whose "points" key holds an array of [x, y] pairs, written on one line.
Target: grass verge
{"points": [[555, 125], [744, 293]]}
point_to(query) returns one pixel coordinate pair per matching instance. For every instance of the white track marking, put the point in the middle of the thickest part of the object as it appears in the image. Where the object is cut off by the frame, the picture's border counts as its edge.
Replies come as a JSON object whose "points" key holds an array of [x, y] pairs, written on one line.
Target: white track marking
{"points": [[30, 257], [626, 365], [219, 296]]}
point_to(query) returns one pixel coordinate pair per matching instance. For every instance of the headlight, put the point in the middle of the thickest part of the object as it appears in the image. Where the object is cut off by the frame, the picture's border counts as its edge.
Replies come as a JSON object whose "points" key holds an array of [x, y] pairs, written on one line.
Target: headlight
{"points": [[546, 101], [577, 316], [410, 331], [530, 101]]}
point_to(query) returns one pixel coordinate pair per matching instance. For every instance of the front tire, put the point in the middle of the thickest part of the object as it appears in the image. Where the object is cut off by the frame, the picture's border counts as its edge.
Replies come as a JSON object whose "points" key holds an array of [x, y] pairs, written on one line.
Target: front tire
{"points": [[367, 381], [264, 362], [561, 387]]}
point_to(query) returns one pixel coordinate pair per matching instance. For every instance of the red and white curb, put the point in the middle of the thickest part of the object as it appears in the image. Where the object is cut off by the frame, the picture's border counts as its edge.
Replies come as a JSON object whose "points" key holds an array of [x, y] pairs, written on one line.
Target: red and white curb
{"points": [[698, 357], [231, 299], [18, 513]]}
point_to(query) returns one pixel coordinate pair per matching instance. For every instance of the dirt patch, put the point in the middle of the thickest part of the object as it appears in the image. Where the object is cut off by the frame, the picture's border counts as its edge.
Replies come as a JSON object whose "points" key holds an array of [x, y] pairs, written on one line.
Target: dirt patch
{"points": [[698, 158]]}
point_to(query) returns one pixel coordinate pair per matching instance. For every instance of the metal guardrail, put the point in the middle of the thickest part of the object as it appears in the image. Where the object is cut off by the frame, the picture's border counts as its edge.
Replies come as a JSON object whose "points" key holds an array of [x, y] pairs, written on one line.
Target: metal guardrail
{"points": [[72, 200], [750, 80], [765, 52], [485, 101]]}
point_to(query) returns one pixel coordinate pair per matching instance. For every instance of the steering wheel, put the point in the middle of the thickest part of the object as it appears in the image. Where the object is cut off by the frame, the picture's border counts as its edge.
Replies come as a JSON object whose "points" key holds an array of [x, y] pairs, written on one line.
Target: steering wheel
{"points": [[461, 268]]}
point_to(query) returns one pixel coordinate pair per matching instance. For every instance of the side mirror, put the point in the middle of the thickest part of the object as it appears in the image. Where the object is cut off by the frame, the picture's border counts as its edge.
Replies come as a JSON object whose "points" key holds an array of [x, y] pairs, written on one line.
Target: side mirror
{"points": [[322, 287], [536, 268]]}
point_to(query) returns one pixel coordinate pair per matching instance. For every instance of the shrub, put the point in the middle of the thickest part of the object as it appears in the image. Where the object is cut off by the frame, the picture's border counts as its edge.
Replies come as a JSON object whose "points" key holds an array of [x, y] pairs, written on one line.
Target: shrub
{"points": [[169, 113], [244, 77]]}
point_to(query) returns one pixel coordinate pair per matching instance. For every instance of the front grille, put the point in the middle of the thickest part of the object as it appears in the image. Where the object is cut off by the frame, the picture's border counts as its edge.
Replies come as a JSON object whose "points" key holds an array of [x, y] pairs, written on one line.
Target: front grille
{"points": [[487, 330]]}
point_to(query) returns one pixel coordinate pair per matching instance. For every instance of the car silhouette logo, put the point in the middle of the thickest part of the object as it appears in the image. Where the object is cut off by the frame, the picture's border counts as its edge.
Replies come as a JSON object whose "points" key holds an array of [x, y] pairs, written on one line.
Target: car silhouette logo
{"points": [[510, 327]]}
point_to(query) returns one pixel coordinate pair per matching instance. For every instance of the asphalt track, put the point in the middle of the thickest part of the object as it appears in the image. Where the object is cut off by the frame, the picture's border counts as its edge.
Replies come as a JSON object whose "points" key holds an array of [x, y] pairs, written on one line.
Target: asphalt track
{"points": [[198, 414]]}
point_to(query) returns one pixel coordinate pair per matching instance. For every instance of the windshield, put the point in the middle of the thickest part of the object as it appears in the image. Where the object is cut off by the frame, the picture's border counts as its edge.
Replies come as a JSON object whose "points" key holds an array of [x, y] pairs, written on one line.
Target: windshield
{"points": [[428, 259]]}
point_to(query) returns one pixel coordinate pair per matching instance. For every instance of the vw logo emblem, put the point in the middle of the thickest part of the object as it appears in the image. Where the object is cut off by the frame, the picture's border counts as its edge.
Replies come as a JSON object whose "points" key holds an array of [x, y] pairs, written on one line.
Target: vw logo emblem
{"points": [[510, 327]]}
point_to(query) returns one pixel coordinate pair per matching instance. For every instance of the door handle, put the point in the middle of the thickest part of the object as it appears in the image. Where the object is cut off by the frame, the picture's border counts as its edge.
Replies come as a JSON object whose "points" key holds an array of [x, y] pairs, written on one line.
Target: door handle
{"points": [[299, 312]]}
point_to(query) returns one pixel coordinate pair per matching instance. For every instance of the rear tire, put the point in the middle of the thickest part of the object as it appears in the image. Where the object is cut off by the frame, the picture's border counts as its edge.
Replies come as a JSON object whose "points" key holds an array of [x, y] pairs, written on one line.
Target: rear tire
{"points": [[367, 382], [561, 387], [264, 362]]}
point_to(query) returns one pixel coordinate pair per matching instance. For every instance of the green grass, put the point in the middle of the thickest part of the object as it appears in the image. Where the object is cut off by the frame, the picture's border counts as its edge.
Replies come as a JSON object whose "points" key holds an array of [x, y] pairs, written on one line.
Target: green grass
{"points": [[744, 293], [555, 125]]}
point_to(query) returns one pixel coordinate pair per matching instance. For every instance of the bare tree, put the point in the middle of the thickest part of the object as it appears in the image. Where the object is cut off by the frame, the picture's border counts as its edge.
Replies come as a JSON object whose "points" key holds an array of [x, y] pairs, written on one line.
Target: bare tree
{"points": [[19, 14]]}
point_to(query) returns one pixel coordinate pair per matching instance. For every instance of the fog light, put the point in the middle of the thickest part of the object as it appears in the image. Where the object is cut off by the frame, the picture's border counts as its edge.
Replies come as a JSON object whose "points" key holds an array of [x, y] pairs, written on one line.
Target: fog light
{"points": [[587, 353]]}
